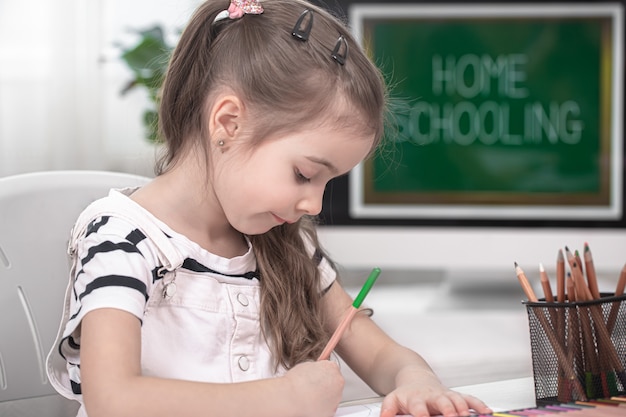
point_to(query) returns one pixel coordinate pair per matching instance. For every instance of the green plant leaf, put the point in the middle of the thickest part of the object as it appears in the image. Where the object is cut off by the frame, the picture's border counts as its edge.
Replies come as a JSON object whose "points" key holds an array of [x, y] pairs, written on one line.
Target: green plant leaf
{"points": [[148, 57], [151, 122], [148, 60]]}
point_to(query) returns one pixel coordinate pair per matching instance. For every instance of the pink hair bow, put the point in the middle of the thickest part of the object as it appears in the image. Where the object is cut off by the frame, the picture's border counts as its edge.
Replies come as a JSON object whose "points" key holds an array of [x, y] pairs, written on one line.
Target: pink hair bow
{"points": [[238, 8]]}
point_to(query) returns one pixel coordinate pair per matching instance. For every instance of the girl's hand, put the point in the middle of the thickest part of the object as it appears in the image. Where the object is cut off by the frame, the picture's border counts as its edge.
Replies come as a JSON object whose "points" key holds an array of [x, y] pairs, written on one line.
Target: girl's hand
{"points": [[432, 399], [316, 388]]}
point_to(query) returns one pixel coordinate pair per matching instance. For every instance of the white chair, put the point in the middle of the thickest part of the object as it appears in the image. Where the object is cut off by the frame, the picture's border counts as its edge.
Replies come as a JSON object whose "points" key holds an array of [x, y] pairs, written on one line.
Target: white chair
{"points": [[37, 211]]}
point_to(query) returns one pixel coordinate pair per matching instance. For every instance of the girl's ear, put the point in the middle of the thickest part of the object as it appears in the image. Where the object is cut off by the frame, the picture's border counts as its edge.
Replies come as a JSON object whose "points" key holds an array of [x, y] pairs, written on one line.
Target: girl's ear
{"points": [[225, 117]]}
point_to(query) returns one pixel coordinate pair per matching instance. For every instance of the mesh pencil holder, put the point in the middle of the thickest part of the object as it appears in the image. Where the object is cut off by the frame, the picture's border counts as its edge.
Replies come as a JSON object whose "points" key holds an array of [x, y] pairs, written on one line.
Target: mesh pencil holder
{"points": [[578, 349]]}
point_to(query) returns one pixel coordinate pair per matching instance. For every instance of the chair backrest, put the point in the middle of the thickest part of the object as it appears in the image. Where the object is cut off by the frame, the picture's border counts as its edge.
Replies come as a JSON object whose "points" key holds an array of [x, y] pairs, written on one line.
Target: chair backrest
{"points": [[37, 211]]}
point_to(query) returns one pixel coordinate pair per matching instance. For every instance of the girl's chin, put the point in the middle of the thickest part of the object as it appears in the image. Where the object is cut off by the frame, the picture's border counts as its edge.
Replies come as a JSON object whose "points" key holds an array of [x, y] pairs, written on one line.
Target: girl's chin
{"points": [[254, 231]]}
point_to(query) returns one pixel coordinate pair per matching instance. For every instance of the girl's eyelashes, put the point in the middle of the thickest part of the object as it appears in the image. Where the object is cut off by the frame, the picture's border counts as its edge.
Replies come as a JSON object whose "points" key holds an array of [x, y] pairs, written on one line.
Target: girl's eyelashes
{"points": [[300, 177]]}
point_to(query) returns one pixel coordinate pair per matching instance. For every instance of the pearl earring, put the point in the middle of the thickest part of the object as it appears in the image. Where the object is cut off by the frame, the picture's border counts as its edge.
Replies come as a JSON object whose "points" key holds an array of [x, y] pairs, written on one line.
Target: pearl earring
{"points": [[220, 142]]}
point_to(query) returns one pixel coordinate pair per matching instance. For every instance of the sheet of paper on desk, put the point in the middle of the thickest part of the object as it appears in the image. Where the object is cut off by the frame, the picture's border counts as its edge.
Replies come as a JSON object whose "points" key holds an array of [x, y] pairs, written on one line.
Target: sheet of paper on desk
{"points": [[360, 410], [512, 394], [366, 410]]}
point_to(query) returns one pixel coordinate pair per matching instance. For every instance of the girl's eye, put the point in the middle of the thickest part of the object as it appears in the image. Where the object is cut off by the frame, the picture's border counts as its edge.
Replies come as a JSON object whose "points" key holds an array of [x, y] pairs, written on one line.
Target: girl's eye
{"points": [[300, 177]]}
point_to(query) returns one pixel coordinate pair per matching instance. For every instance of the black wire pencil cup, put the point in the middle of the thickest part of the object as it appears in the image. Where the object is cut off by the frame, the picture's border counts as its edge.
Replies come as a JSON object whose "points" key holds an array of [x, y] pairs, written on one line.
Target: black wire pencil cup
{"points": [[578, 336]]}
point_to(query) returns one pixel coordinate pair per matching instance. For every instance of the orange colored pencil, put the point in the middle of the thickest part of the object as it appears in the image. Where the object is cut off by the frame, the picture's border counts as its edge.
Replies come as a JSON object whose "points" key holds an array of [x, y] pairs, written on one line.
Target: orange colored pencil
{"points": [[571, 259], [582, 290], [345, 322], [592, 279], [560, 277], [545, 284], [557, 345], [526, 287], [621, 283]]}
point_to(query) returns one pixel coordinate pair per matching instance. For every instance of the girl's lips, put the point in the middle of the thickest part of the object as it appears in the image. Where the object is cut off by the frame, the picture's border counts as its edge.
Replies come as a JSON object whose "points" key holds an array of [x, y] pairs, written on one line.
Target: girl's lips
{"points": [[281, 220]]}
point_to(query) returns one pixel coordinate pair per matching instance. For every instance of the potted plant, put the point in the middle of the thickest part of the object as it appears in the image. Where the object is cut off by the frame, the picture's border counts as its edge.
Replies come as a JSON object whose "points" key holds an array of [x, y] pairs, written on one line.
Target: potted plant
{"points": [[148, 60]]}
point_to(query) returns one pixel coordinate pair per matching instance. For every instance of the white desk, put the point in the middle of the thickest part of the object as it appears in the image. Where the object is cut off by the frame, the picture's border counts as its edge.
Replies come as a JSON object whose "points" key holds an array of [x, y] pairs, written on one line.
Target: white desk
{"points": [[505, 395], [511, 394]]}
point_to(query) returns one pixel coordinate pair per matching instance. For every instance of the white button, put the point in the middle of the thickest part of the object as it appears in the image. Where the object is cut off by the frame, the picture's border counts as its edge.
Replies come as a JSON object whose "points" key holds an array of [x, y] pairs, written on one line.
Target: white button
{"points": [[243, 300], [244, 363]]}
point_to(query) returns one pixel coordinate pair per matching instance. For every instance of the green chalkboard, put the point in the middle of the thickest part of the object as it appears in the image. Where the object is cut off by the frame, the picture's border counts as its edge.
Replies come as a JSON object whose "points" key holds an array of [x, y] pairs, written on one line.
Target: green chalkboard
{"points": [[494, 110]]}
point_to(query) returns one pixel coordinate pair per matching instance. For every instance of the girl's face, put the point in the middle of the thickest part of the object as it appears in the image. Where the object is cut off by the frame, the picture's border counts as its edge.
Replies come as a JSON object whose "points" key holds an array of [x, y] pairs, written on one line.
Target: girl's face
{"points": [[283, 179]]}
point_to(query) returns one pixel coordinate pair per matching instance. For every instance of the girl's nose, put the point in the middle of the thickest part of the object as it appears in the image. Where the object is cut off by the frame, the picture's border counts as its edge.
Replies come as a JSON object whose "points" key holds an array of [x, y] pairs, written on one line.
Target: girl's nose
{"points": [[311, 202]]}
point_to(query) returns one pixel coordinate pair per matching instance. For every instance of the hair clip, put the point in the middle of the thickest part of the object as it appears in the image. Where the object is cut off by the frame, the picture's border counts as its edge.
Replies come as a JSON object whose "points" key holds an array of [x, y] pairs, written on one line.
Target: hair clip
{"points": [[301, 32], [238, 8], [337, 55]]}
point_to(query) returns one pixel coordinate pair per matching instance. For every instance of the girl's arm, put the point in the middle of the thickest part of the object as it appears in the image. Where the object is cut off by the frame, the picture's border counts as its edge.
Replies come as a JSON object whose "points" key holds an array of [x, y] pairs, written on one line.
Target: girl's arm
{"points": [[410, 385], [113, 385]]}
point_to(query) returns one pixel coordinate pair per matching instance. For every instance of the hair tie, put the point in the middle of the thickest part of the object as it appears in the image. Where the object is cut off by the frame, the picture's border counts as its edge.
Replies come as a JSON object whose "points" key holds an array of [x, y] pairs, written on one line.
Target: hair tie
{"points": [[238, 8]]}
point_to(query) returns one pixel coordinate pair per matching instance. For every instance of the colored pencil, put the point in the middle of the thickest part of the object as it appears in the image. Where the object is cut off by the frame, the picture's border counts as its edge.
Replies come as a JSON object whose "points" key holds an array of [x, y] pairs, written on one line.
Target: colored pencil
{"points": [[603, 336], [332, 343], [579, 261], [574, 351], [556, 344], [526, 287], [582, 290], [560, 277], [545, 284], [590, 269], [621, 283], [563, 385], [572, 259]]}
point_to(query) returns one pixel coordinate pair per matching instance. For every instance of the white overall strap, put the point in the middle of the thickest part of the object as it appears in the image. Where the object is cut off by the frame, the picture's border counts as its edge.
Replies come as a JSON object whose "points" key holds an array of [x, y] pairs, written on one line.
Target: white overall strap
{"points": [[169, 256]]}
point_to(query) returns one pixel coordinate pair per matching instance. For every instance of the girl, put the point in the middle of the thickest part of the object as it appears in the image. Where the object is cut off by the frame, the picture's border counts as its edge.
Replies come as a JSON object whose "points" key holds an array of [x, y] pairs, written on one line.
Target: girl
{"points": [[206, 292]]}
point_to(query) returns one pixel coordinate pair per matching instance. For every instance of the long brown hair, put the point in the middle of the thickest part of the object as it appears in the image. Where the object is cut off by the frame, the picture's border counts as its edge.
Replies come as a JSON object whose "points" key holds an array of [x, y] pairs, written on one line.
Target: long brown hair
{"points": [[285, 82]]}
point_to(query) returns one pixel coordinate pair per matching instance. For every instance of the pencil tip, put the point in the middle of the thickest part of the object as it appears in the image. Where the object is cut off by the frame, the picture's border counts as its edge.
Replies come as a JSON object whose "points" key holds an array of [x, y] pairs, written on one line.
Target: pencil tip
{"points": [[515, 264]]}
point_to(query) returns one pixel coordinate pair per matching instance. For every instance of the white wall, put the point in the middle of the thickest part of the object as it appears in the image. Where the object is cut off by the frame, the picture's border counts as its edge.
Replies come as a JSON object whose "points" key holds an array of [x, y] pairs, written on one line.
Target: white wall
{"points": [[60, 79]]}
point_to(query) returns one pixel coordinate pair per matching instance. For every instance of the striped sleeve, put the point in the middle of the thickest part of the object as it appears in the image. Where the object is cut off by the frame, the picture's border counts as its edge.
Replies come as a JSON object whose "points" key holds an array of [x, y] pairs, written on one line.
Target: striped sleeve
{"points": [[114, 270]]}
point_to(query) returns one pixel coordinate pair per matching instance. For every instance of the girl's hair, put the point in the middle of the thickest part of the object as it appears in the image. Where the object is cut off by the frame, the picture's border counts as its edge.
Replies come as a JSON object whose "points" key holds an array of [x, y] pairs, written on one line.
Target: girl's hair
{"points": [[286, 83]]}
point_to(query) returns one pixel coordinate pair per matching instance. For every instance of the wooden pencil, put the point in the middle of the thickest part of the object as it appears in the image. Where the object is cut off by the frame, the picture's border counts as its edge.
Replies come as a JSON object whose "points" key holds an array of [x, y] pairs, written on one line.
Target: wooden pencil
{"points": [[571, 288], [563, 385], [526, 287], [579, 261], [603, 335], [592, 279], [621, 282], [560, 277], [347, 319], [545, 284], [619, 291], [582, 290], [571, 259], [556, 344], [573, 341]]}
